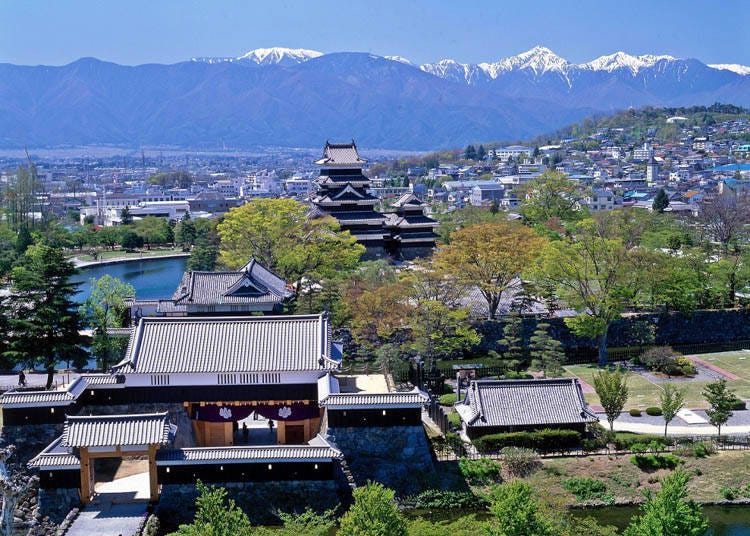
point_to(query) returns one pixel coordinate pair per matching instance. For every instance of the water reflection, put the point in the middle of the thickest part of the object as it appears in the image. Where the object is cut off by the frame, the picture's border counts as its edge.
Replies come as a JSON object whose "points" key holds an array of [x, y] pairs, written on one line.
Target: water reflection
{"points": [[152, 279]]}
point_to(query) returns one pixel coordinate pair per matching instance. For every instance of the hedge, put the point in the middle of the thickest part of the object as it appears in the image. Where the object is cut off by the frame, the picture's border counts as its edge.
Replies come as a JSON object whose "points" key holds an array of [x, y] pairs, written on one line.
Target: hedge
{"points": [[447, 399], [542, 440], [653, 411], [635, 412], [625, 440]]}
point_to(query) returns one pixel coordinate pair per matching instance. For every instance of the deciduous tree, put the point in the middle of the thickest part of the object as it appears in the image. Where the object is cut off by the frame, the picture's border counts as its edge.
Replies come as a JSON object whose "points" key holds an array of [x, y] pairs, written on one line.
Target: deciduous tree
{"points": [[671, 400], [516, 511], [490, 257], [279, 234], [669, 512], [611, 387], [591, 274], [721, 400], [105, 308], [551, 195], [374, 513]]}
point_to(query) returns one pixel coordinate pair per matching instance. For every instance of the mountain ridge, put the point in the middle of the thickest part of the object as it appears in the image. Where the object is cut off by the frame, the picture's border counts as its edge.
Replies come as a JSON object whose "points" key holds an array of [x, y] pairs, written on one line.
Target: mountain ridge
{"points": [[298, 97]]}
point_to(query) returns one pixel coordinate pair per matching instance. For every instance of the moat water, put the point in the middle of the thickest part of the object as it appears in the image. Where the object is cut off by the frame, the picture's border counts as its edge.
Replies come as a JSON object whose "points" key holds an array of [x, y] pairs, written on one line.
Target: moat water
{"points": [[152, 279]]}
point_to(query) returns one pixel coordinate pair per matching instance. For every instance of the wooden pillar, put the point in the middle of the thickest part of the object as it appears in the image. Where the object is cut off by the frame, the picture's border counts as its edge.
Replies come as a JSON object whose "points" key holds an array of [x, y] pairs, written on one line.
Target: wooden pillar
{"points": [[153, 481], [281, 432], [86, 476]]}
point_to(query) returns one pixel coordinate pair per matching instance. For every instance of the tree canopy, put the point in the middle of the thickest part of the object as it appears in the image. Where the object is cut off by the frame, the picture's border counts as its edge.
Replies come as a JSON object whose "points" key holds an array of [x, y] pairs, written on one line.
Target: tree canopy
{"points": [[279, 234], [490, 257]]}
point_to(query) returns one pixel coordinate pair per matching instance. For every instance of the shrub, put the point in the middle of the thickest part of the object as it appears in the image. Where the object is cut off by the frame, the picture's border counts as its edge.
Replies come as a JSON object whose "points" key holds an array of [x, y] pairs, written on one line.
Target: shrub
{"points": [[638, 448], [454, 419], [481, 471], [684, 366], [699, 449], [624, 440], [592, 444], [587, 489], [739, 405], [653, 411], [635, 412], [447, 499], [447, 399], [541, 440], [447, 388], [513, 375], [652, 462], [730, 494], [519, 462]]}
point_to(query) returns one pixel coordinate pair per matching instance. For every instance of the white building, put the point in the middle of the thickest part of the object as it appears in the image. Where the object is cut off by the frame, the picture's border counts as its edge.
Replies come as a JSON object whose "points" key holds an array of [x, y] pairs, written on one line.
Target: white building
{"points": [[514, 151]]}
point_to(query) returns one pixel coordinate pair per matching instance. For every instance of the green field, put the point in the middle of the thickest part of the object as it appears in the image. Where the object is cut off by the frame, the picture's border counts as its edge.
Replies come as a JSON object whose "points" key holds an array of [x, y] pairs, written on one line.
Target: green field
{"points": [[644, 393]]}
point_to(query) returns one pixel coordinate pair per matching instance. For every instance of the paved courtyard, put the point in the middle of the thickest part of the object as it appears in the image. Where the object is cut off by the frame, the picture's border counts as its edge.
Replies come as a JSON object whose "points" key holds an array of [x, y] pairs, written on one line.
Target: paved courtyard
{"points": [[118, 519]]}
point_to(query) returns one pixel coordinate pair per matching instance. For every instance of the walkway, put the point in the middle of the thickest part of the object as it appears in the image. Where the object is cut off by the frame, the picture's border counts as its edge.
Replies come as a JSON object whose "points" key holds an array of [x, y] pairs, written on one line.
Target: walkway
{"points": [[728, 375], [739, 424], [119, 519]]}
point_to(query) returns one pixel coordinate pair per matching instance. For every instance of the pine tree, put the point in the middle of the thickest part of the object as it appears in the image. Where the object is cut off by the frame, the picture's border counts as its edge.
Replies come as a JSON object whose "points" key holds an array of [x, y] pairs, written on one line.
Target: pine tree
{"points": [[44, 321], [513, 340], [481, 153], [547, 353], [661, 201], [470, 153]]}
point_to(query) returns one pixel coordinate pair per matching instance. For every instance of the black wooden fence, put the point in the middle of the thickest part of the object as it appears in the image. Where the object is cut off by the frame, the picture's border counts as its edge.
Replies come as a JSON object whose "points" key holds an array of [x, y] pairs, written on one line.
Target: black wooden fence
{"points": [[452, 448]]}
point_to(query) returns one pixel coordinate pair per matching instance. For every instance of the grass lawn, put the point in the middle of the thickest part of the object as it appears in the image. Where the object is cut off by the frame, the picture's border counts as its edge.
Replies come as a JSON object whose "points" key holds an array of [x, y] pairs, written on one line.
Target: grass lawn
{"points": [[627, 482], [643, 393], [121, 254]]}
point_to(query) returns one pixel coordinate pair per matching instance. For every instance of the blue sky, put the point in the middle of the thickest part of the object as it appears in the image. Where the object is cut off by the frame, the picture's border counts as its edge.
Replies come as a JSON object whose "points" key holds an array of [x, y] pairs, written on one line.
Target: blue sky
{"points": [[143, 31]]}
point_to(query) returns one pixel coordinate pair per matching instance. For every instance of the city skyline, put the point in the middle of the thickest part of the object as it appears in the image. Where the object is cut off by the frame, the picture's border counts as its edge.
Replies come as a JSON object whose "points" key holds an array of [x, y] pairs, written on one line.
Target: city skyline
{"points": [[170, 31]]}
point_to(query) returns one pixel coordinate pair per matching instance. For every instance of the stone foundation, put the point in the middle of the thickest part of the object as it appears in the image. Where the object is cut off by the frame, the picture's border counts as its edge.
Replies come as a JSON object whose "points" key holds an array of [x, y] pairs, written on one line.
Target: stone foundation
{"points": [[396, 456], [259, 500], [56, 503]]}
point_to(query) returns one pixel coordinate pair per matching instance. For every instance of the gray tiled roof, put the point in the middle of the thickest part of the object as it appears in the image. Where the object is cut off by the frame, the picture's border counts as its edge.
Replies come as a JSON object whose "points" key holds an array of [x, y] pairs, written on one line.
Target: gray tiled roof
{"points": [[226, 344], [113, 430], [30, 398], [60, 397], [340, 153], [211, 288], [55, 456], [409, 399], [192, 456], [526, 403]]}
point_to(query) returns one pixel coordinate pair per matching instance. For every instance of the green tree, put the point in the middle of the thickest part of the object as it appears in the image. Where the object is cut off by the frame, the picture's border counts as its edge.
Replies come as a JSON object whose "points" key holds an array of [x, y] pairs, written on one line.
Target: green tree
{"points": [[512, 340], [481, 152], [611, 387], [216, 515], [308, 523], [547, 353], [105, 308], [44, 321], [126, 218], [108, 237], [374, 513], [152, 230], [669, 512], [7, 249], [551, 195], [131, 240], [185, 233], [470, 153], [279, 234], [23, 240], [661, 201], [721, 400], [440, 331], [671, 400], [516, 511], [593, 275], [490, 257]]}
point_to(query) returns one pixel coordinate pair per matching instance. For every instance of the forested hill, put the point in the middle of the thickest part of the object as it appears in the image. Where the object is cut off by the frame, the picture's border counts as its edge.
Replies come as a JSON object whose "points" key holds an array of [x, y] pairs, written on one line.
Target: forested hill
{"points": [[638, 122]]}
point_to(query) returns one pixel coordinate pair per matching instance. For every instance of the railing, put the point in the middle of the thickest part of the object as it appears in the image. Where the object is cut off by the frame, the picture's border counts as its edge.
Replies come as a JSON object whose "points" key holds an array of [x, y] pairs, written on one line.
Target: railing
{"points": [[453, 448]]}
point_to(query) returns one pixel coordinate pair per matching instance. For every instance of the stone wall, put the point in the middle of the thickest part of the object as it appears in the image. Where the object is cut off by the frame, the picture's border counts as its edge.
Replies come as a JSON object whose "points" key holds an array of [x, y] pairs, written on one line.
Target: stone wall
{"points": [[698, 327], [397, 456], [260, 500]]}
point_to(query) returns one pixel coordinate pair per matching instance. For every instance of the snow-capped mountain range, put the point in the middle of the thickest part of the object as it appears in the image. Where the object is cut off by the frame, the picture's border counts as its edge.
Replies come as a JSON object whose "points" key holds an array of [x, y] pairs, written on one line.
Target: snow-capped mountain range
{"points": [[539, 61], [299, 97]]}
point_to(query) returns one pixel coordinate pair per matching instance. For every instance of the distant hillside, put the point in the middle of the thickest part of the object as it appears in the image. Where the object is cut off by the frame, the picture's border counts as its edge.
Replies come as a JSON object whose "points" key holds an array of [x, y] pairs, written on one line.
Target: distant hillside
{"points": [[300, 98], [643, 120]]}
